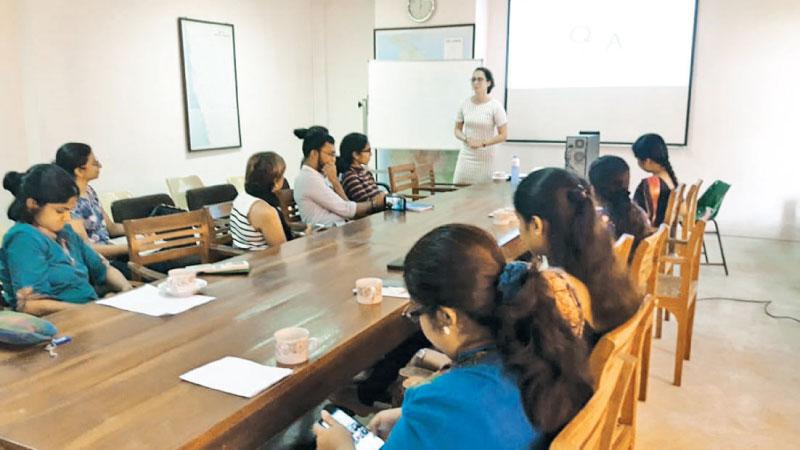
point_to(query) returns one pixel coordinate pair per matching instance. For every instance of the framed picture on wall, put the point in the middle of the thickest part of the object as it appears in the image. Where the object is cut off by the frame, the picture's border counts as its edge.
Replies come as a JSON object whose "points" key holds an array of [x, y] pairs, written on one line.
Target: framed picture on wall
{"points": [[210, 89]]}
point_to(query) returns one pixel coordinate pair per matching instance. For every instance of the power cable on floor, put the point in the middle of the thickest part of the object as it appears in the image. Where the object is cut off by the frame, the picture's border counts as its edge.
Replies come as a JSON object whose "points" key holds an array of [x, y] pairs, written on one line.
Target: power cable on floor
{"points": [[766, 304]]}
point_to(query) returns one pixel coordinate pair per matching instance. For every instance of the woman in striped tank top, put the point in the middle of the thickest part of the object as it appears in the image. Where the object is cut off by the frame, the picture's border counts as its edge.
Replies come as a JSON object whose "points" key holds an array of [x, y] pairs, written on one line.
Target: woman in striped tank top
{"points": [[255, 224], [481, 123]]}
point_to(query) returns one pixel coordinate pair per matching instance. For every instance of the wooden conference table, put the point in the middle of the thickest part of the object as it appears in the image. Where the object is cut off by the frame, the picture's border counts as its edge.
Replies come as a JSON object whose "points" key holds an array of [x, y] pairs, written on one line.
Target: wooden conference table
{"points": [[116, 384]]}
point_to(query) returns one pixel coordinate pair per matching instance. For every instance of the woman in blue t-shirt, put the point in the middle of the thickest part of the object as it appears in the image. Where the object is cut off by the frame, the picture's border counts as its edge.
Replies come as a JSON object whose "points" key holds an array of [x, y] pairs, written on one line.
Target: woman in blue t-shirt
{"points": [[44, 265], [519, 374]]}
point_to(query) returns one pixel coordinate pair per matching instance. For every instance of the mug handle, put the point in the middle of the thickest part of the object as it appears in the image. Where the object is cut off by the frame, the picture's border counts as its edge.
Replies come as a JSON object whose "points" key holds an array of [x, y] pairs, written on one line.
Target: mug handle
{"points": [[313, 344]]}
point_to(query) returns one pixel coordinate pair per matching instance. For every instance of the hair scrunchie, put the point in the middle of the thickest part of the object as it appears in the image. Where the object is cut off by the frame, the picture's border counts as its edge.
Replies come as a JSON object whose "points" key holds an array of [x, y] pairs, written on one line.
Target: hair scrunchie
{"points": [[511, 280]]}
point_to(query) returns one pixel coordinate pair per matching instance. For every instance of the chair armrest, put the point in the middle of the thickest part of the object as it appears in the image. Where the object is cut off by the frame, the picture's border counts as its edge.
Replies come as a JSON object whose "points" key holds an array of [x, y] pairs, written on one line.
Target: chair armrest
{"points": [[678, 241], [144, 272], [225, 250], [430, 188]]}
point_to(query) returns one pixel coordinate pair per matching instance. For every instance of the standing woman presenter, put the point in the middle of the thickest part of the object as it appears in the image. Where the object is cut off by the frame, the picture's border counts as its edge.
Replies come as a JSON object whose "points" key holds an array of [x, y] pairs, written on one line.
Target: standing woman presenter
{"points": [[481, 123]]}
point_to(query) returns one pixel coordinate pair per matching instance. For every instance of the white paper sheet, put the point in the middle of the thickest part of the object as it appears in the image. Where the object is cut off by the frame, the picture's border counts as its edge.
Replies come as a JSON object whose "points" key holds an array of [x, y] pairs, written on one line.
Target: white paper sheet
{"points": [[236, 376], [399, 292], [148, 300], [454, 48]]}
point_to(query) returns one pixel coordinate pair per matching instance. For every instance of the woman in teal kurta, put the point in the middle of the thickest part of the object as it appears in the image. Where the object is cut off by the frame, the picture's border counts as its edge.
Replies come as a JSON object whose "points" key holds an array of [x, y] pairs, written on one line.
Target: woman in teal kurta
{"points": [[44, 265], [519, 374]]}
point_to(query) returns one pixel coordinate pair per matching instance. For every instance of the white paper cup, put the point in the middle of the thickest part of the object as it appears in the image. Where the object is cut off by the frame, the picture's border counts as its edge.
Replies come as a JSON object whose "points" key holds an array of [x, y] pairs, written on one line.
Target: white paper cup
{"points": [[293, 344], [369, 291]]}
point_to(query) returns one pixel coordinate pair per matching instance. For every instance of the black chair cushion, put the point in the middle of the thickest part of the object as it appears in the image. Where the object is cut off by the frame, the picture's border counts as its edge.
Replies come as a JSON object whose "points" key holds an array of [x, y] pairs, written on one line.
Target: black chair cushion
{"points": [[138, 207], [210, 195]]}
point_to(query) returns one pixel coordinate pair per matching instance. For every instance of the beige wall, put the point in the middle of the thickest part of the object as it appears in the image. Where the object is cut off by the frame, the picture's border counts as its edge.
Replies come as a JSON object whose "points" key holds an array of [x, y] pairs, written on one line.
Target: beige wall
{"points": [[108, 73]]}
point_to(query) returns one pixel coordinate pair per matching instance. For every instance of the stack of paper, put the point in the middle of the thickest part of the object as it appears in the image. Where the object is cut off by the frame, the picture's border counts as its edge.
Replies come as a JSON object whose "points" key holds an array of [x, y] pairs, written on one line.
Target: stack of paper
{"points": [[147, 300], [236, 376]]}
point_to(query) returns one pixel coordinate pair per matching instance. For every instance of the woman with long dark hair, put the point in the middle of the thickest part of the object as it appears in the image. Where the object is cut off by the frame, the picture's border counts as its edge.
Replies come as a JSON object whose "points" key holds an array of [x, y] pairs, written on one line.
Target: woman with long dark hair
{"points": [[610, 177], [653, 192], [44, 265], [558, 221], [354, 155], [89, 219], [519, 374]]}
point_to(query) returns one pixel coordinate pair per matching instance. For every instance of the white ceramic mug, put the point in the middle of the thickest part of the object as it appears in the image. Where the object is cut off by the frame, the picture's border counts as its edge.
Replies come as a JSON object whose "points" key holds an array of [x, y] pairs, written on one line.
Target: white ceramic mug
{"points": [[293, 345], [181, 280], [369, 291]]}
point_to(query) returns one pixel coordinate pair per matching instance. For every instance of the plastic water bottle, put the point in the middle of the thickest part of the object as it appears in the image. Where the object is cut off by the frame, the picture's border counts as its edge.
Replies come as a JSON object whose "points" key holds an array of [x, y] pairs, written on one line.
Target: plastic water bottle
{"points": [[514, 171]]}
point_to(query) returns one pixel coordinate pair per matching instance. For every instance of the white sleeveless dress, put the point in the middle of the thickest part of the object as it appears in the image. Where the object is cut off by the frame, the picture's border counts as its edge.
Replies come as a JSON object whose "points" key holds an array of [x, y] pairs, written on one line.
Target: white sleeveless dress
{"points": [[480, 122]]}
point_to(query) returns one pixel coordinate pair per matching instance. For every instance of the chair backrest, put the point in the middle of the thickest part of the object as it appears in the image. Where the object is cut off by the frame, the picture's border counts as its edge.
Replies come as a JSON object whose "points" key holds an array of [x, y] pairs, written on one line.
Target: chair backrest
{"points": [[622, 249], [289, 208], [695, 249], [138, 207], [593, 427], [403, 177], [179, 185], [644, 267], [688, 211], [674, 206], [623, 339], [426, 176], [200, 197], [108, 198], [167, 238], [237, 182], [220, 225], [709, 203]]}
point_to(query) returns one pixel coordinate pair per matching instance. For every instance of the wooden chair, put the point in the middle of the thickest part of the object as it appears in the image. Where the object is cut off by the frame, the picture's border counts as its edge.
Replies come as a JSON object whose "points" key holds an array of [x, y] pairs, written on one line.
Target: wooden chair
{"points": [[593, 427], [402, 178], [219, 215], [630, 338], [168, 238], [426, 181], [288, 207], [644, 275], [678, 293], [622, 249], [179, 185]]}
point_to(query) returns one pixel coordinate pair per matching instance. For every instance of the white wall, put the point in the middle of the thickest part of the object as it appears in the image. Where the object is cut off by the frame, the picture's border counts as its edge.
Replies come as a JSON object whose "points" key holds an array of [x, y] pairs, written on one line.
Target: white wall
{"points": [[108, 73], [394, 13], [745, 94], [12, 124]]}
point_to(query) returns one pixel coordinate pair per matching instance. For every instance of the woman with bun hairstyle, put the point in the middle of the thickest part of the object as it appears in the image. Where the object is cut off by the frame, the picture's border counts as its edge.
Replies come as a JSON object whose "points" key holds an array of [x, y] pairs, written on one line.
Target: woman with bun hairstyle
{"points": [[519, 373], [44, 265], [652, 194], [558, 221], [610, 177]]}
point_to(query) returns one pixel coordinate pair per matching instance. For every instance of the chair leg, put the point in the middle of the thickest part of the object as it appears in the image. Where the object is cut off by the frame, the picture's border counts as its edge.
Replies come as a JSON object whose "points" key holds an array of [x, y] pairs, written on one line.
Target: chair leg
{"points": [[705, 252], [666, 315], [680, 349], [690, 330], [721, 250], [645, 369], [659, 312]]}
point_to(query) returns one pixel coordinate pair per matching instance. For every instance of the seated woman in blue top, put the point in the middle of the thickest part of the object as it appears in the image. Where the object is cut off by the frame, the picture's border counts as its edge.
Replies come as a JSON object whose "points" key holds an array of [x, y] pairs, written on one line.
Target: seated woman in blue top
{"points": [[519, 374], [44, 265]]}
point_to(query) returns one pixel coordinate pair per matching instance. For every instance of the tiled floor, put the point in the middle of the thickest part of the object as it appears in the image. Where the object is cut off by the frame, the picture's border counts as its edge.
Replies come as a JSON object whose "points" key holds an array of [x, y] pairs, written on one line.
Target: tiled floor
{"points": [[741, 388]]}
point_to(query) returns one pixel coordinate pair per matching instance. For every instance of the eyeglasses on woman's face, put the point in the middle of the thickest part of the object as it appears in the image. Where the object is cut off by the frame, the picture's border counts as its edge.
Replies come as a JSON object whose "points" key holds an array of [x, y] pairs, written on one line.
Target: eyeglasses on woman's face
{"points": [[413, 312]]}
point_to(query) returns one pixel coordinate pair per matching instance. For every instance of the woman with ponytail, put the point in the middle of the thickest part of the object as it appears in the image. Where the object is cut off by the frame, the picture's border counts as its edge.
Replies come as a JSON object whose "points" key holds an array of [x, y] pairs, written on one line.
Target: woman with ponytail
{"points": [[652, 194], [558, 221], [610, 177], [44, 265], [519, 373]]}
